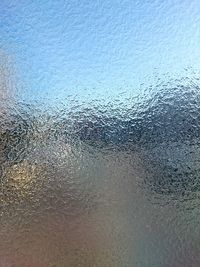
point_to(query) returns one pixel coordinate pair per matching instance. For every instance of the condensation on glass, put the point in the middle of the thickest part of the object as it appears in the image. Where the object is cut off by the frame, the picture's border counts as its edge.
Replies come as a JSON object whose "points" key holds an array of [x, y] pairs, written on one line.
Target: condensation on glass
{"points": [[99, 134]]}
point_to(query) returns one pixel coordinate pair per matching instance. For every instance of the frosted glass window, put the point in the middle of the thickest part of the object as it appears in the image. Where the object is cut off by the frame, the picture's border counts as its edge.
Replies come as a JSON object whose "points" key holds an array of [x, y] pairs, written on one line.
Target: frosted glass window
{"points": [[99, 133]]}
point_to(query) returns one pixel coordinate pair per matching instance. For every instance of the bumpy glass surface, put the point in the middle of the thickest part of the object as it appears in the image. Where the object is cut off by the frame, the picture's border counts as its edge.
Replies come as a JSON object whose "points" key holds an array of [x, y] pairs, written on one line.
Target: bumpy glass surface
{"points": [[99, 133]]}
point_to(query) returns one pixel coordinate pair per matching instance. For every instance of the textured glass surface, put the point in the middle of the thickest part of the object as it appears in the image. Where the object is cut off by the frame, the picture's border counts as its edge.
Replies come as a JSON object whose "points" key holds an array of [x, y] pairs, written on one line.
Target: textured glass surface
{"points": [[99, 133]]}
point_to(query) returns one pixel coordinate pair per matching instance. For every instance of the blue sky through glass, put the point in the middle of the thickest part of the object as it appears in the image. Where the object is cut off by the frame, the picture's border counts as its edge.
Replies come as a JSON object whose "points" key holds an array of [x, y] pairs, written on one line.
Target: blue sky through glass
{"points": [[98, 47]]}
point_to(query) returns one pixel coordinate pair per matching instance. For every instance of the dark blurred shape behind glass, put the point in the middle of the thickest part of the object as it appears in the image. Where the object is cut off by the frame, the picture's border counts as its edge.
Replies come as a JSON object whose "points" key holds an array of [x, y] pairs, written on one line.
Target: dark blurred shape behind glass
{"points": [[99, 150]]}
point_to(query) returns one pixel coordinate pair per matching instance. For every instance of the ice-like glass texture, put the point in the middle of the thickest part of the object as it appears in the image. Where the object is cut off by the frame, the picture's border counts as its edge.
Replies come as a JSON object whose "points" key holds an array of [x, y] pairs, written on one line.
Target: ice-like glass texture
{"points": [[99, 133]]}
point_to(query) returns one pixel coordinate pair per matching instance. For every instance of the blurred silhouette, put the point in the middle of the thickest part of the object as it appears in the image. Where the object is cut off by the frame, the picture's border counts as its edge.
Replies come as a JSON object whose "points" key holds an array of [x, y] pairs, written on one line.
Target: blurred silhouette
{"points": [[67, 174]]}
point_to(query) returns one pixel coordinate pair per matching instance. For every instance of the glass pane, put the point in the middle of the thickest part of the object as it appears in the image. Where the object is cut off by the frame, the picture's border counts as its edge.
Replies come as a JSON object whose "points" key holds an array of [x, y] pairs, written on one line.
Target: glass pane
{"points": [[99, 133]]}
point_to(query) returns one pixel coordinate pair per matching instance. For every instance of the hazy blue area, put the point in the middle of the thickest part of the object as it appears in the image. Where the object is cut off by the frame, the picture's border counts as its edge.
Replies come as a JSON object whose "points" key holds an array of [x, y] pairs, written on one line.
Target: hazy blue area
{"points": [[104, 47]]}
